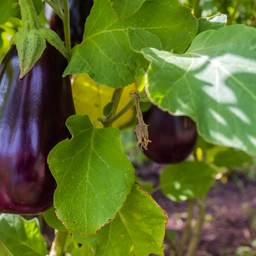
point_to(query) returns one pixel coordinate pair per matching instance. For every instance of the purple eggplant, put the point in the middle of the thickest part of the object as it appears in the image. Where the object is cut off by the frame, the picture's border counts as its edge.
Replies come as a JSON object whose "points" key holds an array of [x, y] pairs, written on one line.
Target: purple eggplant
{"points": [[173, 137], [79, 11], [33, 112]]}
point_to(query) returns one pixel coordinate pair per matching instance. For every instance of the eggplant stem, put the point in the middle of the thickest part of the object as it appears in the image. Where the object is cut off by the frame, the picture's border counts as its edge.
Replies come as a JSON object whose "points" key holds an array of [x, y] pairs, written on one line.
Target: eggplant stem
{"points": [[116, 99], [58, 243]]}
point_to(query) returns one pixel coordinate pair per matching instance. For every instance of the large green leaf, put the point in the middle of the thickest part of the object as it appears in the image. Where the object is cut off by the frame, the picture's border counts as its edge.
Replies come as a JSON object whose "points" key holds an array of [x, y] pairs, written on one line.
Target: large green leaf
{"points": [[126, 8], [93, 176], [84, 250], [105, 54], [4, 250], [137, 230], [22, 237], [186, 180], [9, 8], [232, 158], [213, 83]]}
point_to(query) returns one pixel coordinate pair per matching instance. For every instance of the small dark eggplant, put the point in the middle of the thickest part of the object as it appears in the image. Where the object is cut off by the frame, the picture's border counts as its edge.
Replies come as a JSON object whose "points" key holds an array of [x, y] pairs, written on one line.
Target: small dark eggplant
{"points": [[79, 11], [33, 112], [173, 137]]}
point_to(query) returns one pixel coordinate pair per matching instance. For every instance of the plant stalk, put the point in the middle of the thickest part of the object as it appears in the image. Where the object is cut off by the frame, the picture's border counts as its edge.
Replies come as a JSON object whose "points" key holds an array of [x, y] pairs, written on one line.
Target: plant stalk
{"points": [[116, 99], [58, 243], [187, 229], [130, 104], [196, 8], [198, 228], [66, 24], [234, 13]]}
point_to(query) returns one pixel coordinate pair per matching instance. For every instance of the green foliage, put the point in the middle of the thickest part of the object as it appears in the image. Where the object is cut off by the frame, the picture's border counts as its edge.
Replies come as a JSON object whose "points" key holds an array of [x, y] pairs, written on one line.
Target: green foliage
{"points": [[4, 250], [20, 236], [186, 180], [93, 166], [9, 8], [232, 158], [124, 9], [214, 22], [213, 83], [138, 229], [52, 220], [106, 38], [209, 77]]}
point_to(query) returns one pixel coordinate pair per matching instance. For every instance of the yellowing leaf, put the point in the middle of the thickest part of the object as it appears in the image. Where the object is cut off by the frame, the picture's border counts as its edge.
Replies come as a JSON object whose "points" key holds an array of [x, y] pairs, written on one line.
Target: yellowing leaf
{"points": [[90, 99]]}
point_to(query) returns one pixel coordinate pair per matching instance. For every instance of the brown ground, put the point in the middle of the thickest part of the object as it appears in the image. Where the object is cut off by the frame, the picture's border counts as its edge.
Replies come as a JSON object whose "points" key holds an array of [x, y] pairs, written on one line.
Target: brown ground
{"points": [[230, 213]]}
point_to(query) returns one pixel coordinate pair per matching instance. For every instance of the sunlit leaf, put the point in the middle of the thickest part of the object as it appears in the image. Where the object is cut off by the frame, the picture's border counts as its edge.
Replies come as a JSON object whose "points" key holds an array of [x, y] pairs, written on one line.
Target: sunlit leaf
{"points": [[138, 229], [20, 236], [90, 98], [213, 83], [105, 54], [185, 180], [93, 176], [214, 22]]}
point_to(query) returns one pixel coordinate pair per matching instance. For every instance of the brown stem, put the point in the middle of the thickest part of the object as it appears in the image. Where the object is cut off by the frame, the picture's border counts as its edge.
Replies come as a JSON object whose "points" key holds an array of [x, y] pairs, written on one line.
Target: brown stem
{"points": [[141, 128]]}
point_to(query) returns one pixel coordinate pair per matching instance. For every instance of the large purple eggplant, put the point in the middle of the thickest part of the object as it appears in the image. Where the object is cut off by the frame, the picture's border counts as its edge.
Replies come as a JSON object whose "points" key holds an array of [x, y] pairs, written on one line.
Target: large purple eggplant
{"points": [[33, 112], [173, 137]]}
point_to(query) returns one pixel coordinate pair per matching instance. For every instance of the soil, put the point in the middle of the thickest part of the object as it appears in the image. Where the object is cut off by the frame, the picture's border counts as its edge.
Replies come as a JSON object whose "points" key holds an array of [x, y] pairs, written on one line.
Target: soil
{"points": [[230, 213]]}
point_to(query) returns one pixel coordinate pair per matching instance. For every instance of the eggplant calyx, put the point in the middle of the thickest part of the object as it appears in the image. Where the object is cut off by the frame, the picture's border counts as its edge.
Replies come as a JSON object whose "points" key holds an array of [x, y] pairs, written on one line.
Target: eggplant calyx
{"points": [[31, 39]]}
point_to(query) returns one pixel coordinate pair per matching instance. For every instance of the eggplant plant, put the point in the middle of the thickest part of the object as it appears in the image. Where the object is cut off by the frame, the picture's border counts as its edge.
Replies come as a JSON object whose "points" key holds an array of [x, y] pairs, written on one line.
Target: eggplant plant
{"points": [[71, 168]]}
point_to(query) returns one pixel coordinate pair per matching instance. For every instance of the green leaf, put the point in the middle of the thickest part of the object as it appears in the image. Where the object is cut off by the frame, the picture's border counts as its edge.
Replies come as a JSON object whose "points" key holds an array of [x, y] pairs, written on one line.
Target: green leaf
{"points": [[232, 158], [93, 176], [138, 229], [52, 220], [58, 7], [126, 8], [6, 10], [105, 54], [213, 83], [9, 9], [84, 250], [214, 22], [140, 38], [186, 180], [4, 250], [22, 237]]}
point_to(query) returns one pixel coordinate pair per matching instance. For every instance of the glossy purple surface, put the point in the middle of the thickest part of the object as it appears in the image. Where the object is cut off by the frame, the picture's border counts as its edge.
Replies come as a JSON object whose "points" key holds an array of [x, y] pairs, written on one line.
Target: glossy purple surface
{"points": [[33, 112], [173, 137]]}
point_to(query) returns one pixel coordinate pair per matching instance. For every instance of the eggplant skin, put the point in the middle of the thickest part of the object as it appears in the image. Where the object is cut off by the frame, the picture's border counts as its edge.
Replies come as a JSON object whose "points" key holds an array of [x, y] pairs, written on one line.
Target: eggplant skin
{"points": [[33, 112], [173, 137]]}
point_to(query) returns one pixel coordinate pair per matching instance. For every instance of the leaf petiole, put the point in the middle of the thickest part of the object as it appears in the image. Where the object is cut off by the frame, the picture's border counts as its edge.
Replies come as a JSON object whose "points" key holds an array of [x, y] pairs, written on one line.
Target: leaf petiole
{"points": [[141, 95]]}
